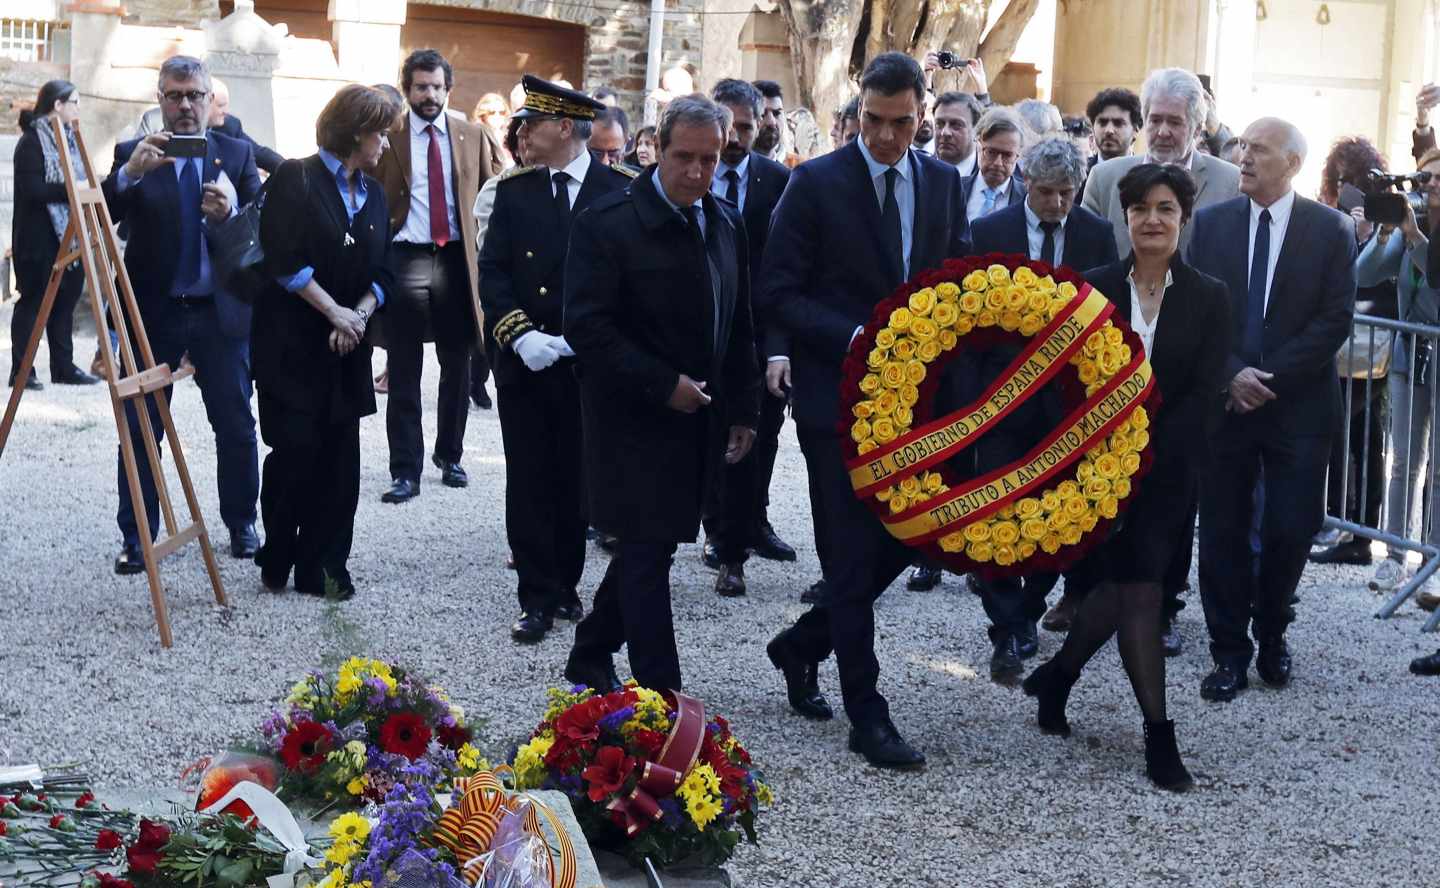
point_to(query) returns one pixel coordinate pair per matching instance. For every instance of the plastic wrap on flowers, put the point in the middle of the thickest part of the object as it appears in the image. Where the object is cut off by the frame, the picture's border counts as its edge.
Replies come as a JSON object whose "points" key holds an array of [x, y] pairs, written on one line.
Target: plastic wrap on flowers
{"points": [[1049, 507]]}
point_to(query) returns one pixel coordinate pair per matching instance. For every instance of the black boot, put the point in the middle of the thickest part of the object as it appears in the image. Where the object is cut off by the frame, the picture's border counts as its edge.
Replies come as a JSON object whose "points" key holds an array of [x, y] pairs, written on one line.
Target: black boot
{"points": [[1162, 758], [1050, 684]]}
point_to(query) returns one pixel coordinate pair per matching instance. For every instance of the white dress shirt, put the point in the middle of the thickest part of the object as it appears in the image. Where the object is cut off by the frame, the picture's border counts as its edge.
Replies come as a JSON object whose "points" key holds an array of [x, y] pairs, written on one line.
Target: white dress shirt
{"points": [[1143, 328], [1036, 236], [719, 184], [904, 196], [970, 165], [977, 198], [1279, 221], [576, 170], [416, 229]]}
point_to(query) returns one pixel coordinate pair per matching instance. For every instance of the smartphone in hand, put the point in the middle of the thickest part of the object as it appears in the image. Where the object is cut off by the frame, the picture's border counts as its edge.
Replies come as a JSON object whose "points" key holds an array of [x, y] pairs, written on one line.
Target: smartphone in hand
{"points": [[185, 146]]}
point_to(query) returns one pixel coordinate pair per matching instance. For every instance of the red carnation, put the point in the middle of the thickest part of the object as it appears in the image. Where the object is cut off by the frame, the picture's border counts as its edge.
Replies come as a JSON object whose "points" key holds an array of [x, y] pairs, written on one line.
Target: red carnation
{"points": [[109, 881], [581, 722], [144, 856], [405, 733], [3, 829], [56, 820], [85, 800], [648, 742], [108, 840], [612, 766], [453, 736], [305, 746]]}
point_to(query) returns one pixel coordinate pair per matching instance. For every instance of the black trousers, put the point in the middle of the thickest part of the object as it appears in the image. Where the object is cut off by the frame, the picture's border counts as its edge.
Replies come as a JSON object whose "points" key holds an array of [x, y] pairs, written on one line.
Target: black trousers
{"points": [[1293, 510], [632, 607], [1014, 604], [479, 370], [432, 293], [545, 515], [309, 490], [863, 561], [33, 277], [1349, 459], [737, 512]]}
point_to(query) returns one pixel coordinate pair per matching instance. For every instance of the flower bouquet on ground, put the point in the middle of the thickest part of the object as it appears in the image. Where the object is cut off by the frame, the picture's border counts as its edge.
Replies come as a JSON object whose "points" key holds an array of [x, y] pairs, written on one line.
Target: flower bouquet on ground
{"points": [[649, 776], [349, 737]]}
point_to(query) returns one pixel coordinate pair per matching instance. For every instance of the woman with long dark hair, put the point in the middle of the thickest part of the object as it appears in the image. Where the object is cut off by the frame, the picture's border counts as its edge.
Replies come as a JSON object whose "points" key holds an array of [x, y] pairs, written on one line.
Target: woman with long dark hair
{"points": [[42, 213]]}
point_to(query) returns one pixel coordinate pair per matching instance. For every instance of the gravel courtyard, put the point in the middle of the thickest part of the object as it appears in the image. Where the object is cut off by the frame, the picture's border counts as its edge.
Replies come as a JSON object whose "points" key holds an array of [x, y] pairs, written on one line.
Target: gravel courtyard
{"points": [[1331, 782]]}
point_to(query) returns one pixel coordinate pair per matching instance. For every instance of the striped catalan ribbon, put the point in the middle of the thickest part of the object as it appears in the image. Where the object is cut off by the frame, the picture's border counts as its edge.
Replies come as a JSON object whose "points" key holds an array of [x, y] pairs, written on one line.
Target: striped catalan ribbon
{"points": [[468, 828]]}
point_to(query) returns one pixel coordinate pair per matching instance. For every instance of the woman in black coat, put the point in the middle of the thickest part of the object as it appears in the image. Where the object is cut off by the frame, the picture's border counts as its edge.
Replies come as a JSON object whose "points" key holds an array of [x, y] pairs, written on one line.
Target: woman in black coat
{"points": [[42, 211], [1182, 315], [325, 233]]}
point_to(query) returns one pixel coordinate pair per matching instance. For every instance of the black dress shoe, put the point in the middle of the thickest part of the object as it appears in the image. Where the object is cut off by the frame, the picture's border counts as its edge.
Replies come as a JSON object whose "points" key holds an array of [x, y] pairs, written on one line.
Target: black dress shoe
{"points": [[403, 490], [73, 376], [451, 474], [1162, 758], [1050, 685], [592, 674], [923, 578], [481, 398], [769, 546], [1223, 683], [329, 586], [1029, 637], [244, 541], [608, 542], [731, 581], [1059, 617], [802, 685], [1426, 665], [883, 746], [531, 627], [572, 610], [710, 554], [32, 383], [130, 560], [1353, 552], [1171, 641], [818, 593], [1273, 663], [1006, 662]]}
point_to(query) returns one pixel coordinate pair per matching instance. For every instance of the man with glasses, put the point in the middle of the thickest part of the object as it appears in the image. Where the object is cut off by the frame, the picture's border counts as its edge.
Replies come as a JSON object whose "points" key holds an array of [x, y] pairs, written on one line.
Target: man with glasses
{"points": [[995, 186], [609, 132], [169, 199]]}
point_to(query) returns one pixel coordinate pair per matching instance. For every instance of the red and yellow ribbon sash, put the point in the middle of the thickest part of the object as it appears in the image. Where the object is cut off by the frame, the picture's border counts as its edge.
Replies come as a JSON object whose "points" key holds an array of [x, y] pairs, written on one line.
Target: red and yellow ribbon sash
{"points": [[468, 827], [658, 779]]}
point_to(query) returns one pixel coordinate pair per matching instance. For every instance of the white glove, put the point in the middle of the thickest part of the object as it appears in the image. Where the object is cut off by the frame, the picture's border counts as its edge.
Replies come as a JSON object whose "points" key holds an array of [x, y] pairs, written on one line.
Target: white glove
{"points": [[564, 347], [538, 350]]}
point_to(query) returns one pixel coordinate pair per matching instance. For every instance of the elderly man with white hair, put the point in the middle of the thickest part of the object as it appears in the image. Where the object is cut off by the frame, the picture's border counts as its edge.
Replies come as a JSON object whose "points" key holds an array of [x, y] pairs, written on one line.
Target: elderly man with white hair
{"points": [[1289, 265], [1172, 103]]}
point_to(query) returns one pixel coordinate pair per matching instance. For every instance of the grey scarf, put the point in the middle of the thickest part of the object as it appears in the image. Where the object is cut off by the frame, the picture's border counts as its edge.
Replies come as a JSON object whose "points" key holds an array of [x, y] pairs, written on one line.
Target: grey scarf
{"points": [[54, 173]]}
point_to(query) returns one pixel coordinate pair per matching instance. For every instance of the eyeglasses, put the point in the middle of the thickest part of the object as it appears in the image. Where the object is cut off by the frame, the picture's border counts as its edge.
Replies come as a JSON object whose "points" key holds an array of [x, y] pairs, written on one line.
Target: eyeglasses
{"points": [[608, 157], [997, 154], [194, 96]]}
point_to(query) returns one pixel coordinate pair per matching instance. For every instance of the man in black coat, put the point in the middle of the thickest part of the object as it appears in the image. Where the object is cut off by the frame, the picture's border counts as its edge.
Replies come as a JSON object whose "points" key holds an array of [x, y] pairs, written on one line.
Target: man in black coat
{"points": [[225, 123], [657, 310], [851, 226], [735, 522], [522, 283], [1289, 264]]}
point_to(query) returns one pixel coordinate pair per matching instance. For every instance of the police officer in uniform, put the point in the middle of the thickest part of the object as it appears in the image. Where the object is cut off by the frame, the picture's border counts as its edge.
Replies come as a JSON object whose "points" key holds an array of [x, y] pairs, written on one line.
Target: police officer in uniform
{"points": [[522, 285]]}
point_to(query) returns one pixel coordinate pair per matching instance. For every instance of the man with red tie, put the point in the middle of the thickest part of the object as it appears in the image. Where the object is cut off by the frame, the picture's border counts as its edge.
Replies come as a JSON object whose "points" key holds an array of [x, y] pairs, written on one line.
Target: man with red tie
{"points": [[435, 166]]}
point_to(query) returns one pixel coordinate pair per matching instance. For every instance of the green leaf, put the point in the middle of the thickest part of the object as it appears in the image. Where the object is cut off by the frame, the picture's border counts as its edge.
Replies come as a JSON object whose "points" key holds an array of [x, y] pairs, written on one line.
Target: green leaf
{"points": [[236, 874]]}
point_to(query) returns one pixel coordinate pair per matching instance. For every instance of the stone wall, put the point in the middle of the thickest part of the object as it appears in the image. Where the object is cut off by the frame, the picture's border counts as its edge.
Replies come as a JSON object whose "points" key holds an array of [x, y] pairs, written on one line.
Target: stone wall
{"points": [[186, 13], [617, 48]]}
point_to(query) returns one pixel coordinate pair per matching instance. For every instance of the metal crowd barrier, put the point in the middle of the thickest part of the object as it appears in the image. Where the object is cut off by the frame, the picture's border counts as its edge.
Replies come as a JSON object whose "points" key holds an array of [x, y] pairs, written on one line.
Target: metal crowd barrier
{"points": [[1370, 332]]}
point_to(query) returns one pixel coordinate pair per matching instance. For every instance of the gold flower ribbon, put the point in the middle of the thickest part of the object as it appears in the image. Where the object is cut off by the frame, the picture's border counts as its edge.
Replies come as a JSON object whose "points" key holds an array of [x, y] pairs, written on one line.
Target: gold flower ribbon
{"points": [[468, 827]]}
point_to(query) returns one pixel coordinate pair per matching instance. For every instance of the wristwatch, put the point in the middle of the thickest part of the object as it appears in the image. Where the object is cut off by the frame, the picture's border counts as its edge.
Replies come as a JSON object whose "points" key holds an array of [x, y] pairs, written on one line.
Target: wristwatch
{"points": [[364, 316]]}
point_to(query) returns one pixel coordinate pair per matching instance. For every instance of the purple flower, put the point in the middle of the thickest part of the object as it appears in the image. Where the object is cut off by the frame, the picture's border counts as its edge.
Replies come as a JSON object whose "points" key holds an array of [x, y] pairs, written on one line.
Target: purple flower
{"points": [[612, 722], [670, 813]]}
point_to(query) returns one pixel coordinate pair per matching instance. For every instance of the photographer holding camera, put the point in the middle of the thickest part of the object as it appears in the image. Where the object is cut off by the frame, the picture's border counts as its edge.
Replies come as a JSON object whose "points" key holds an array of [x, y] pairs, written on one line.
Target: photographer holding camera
{"points": [[956, 74]]}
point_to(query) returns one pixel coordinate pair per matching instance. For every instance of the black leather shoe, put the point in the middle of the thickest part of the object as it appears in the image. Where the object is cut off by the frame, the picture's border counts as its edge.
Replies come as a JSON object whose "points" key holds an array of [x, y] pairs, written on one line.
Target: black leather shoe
{"points": [[802, 684], [32, 384], [130, 561], [1223, 683], [244, 541], [403, 490], [481, 398], [572, 610], [531, 627], [769, 546], [710, 554], [923, 578], [1007, 663], [592, 674], [1353, 552], [1059, 617], [731, 581], [330, 588], [818, 593], [1050, 685], [1171, 641], [451, 473], [608, 542], [1029, 638], [1426, 665], [73, 376], [1162, 758], [1273, 663], [883, 746]]}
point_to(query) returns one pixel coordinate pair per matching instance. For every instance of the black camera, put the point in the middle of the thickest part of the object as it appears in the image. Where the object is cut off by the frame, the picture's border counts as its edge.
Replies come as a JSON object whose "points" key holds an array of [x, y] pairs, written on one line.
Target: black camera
{"points": [[949, 59], [1386, 196]]}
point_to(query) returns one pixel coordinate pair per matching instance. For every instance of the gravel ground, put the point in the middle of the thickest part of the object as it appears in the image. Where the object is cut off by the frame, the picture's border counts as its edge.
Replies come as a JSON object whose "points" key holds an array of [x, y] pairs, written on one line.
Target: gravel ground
{"points": [[1329, 782]]}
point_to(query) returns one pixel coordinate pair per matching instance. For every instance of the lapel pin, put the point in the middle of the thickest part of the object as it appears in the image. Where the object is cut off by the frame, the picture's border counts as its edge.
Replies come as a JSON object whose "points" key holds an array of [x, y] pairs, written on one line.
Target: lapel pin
{"points": [[350, 241], [217, 161]]}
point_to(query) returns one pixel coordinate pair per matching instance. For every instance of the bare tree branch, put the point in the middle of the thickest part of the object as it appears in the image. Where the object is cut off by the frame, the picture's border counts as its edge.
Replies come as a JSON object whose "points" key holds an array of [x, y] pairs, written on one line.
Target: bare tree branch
{"points": [[999, 45]]}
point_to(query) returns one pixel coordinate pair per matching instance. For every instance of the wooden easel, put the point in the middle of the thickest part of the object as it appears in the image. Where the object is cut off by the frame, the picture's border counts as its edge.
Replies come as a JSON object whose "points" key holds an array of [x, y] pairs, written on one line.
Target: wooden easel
{"points": [[98, 250]]}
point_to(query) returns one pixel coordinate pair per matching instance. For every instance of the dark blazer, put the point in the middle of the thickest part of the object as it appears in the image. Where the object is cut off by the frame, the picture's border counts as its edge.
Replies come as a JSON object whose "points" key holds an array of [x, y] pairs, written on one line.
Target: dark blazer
{"points": [[825, 266], [151, 207], [266, 159], [1014, 196], [304, 223], [638, 313], [767, 183], [1311, 306], [522, 265], [1089, 240], [32, 238]]}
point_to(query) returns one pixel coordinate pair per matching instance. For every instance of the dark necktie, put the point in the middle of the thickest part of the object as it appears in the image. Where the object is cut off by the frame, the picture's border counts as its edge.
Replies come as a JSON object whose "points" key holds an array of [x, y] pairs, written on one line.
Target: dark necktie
{"points": [[890, 225], [1253, 342], [692, 216], [1047, 246], [435, 179], [732, 186], [562, 195], [187, 272]]}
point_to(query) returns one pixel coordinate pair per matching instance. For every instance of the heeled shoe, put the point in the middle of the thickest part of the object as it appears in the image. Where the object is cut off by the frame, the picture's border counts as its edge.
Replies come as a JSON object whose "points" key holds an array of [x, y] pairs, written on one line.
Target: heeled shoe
{"points": [[1162, 758], [1050, 684]]}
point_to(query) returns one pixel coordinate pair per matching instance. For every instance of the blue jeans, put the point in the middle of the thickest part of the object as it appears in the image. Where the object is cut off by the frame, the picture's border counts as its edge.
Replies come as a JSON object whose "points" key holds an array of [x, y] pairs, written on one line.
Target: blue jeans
{"points": [[222, 369]]}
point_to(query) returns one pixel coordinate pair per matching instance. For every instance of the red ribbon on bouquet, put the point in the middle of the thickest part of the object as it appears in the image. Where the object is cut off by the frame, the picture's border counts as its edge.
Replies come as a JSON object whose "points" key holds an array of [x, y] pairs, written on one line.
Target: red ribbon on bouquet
{"points": [[660, 778]]}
